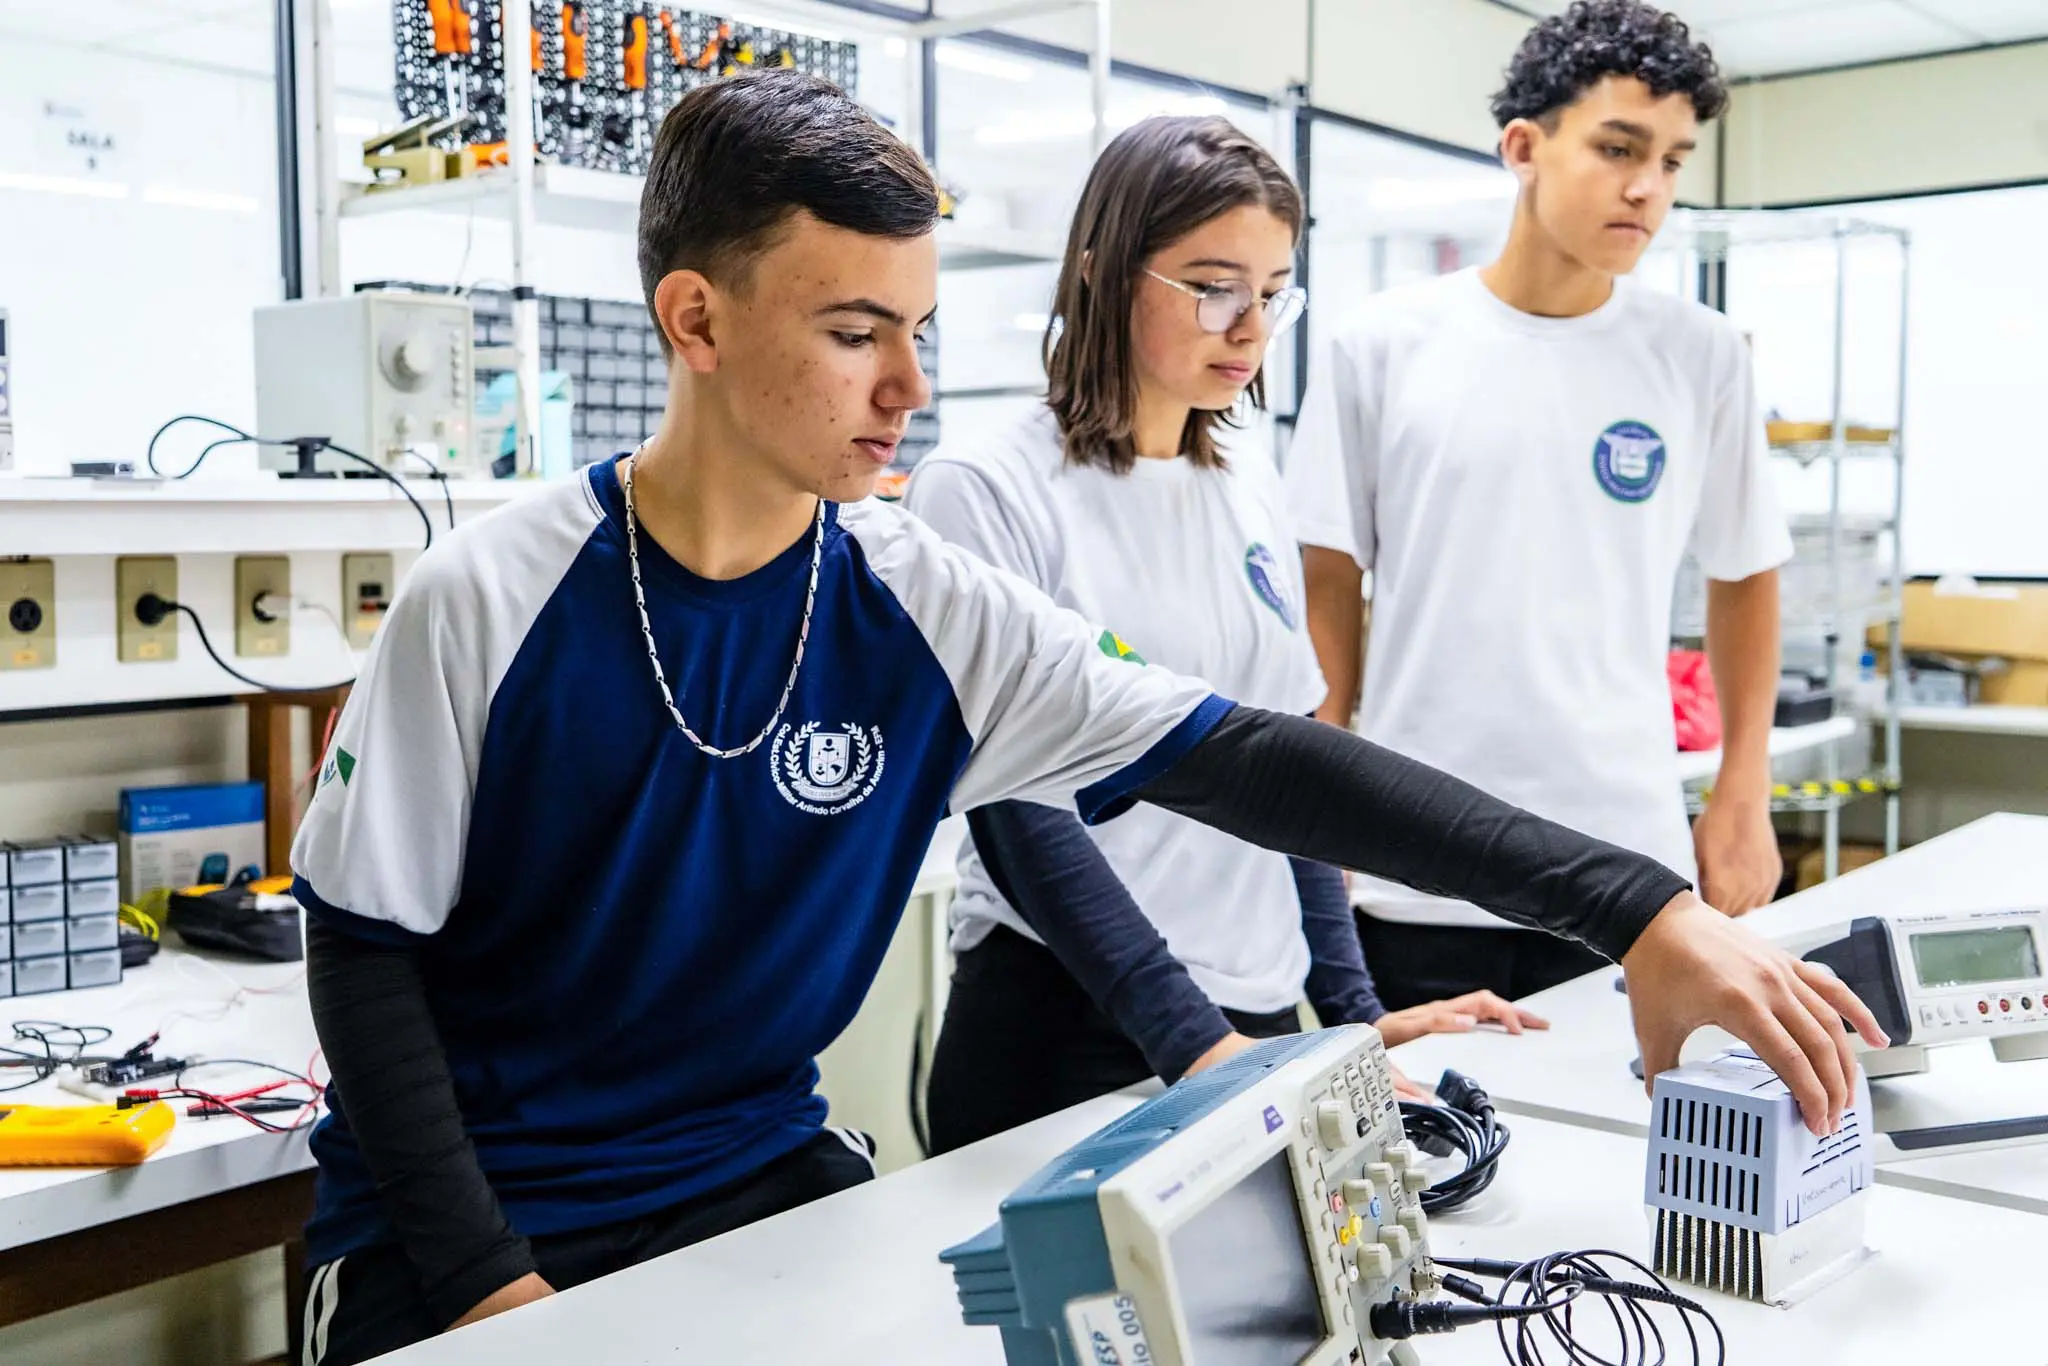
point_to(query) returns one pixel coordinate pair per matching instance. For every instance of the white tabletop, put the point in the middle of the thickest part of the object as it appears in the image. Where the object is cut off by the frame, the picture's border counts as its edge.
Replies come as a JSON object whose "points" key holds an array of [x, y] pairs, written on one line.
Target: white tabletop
{"points": [[1562, 1187], [854, 1280], [200, 1005], [850, 1280], [1577, 1071]]}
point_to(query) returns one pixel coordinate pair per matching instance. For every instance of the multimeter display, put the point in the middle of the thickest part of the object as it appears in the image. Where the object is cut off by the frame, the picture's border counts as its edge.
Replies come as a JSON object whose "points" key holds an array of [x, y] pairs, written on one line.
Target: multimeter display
{"points": [[1956, 958]]}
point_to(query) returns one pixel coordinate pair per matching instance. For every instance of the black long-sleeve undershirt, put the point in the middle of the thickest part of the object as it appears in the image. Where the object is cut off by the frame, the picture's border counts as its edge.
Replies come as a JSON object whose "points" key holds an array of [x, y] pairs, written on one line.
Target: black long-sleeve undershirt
{"points": [[1317, 792], [391, 1075]]}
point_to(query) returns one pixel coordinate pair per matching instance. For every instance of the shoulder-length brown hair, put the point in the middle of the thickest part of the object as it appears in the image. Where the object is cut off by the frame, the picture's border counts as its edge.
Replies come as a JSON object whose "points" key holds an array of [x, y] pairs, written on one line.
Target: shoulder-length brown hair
{"points": [[1156, 183]]}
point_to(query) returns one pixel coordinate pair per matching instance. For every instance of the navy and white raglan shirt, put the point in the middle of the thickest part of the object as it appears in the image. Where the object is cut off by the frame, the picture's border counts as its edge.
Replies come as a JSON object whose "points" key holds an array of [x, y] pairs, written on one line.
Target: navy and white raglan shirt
{"points": [[633, 951]]}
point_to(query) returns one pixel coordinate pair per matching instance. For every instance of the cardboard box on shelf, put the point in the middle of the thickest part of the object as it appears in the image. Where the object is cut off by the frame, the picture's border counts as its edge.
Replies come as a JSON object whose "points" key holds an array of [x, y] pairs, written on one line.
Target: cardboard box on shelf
{"points": [[1983, 622], [1964, 617], [1853, 856], [2023, 683]]}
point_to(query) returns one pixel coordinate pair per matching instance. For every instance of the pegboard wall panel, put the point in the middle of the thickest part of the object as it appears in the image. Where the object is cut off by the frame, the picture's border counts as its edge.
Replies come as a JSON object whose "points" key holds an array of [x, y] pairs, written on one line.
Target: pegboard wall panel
{"points": [[605, 71]]}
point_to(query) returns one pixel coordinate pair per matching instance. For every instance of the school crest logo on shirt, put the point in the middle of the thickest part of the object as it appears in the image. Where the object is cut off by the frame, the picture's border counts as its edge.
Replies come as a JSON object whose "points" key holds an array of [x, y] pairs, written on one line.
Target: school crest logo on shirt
{"points": [[1628, 460], [826, 769], [1264, 572]]}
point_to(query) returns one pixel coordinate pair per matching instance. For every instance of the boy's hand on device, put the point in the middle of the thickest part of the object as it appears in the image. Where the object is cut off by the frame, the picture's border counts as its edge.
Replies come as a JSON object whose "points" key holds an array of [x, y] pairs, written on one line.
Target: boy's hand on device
{"points": [[1693, 966], [525, 1290]]}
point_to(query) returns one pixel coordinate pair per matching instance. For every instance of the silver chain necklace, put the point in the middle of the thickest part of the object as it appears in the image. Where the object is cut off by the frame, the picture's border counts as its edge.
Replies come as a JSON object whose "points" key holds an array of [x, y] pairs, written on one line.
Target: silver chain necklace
{"points": [[803, 634]]}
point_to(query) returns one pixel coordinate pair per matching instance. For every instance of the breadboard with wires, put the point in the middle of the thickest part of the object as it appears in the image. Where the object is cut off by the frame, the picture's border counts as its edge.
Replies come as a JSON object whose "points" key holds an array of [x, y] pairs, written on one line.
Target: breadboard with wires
{"points": [[1745, 1200], [607, 71]]}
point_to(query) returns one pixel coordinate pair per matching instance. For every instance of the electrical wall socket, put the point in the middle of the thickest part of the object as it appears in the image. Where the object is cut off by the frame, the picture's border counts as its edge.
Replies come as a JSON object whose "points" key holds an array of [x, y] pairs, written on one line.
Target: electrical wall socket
{"points": [[28, 597], [366, 588], [135, 575], [256, 575]]}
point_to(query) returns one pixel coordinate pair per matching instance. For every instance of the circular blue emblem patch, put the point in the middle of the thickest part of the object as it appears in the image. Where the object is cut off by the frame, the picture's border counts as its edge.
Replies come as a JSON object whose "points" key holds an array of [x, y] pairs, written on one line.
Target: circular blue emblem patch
{"points": [[1628, 460], [1264, 572]]}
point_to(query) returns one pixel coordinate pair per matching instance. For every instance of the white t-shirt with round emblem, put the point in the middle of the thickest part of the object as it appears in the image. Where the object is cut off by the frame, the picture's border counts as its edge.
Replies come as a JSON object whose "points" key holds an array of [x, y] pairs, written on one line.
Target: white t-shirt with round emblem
{"points": [[1197, 570], [1523, 490]]}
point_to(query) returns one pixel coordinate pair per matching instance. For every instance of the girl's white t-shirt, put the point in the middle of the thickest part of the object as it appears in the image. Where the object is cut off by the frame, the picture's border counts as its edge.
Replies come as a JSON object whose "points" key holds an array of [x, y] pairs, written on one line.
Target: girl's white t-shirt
{"points": [[1196, 570]]}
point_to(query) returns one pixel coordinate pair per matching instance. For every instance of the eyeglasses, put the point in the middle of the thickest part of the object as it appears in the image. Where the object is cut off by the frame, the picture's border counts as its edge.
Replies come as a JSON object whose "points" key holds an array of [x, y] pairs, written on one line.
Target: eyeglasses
{"points": [[1218, 307]]}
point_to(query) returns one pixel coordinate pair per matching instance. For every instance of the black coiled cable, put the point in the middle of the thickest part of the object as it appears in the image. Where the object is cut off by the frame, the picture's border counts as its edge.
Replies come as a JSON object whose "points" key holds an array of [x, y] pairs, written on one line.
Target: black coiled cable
{"points": [[1638, 1340], [1464, 1123]]}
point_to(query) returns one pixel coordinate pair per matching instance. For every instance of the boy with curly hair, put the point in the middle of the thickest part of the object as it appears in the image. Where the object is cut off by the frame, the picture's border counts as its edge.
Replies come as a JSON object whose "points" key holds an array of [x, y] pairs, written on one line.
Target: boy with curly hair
{"points": [[1522, 454]]}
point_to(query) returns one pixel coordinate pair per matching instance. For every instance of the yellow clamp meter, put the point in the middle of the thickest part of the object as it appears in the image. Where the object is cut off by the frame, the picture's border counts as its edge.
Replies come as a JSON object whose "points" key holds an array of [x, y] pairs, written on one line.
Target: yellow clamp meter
{"points": [[82, 1135]]}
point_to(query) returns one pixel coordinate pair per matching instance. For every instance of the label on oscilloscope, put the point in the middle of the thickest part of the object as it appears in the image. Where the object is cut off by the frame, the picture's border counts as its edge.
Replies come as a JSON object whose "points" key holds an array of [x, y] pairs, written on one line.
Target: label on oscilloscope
{"points": [[1106, 1331]]}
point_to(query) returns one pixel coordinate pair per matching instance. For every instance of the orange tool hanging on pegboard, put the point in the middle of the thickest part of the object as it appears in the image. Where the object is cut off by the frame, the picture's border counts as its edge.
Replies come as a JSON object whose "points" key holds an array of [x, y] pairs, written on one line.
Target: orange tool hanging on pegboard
{"points": [[636, 52], [575, 31]]}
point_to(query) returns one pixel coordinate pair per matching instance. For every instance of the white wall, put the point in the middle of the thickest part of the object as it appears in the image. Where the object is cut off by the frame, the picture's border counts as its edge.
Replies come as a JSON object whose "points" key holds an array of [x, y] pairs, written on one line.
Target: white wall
{"points": [[1977, 457], [1426, 68], [1970, 119], [129, 280], [1221, 41]]}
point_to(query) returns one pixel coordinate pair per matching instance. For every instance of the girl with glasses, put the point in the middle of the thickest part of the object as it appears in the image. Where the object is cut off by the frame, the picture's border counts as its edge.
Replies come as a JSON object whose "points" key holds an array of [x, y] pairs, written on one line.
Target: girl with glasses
{"points": [[1091, 958]]}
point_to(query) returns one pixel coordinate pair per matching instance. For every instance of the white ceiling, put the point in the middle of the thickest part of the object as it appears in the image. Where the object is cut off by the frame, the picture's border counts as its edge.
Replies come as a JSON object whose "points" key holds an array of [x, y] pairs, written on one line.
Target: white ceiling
{"points": [[1765, 37], [1751, 37]]}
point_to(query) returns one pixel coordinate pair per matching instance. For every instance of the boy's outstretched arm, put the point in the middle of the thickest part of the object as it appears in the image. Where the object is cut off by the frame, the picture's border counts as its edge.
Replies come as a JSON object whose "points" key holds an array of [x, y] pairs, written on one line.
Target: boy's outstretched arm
{"points": [[1316, 792]]}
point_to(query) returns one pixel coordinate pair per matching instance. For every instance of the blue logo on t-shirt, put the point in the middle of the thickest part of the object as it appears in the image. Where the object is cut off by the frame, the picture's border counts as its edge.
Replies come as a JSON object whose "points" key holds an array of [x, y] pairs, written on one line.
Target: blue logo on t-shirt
{"points": [[1264, 572], [1628, 460]]}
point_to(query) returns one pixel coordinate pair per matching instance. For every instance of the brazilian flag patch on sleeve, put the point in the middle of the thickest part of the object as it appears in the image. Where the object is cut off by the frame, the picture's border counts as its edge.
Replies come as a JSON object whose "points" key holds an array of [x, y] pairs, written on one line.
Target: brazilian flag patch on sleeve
{"points": [[1115, 647]]}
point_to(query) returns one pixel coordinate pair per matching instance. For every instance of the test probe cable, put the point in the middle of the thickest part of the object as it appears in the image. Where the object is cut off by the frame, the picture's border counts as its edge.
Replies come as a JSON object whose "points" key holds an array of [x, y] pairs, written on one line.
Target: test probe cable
{"points": [[1543, 1313], [1463, 1123], [1393, 1320], [307, 446], [250, 1104]]}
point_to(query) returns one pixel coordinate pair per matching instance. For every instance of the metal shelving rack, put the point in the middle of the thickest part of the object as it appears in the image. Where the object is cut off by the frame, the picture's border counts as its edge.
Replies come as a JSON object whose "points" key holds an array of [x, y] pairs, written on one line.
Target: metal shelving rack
{"points": [[1709, 241], [528, 190]]}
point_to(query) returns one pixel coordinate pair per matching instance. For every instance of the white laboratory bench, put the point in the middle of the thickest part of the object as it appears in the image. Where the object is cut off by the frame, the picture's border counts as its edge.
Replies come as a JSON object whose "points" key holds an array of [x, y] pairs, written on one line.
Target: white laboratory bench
{"points": [[194, 1001], [219, 1188], [855, 1280], [1577, 1073]]}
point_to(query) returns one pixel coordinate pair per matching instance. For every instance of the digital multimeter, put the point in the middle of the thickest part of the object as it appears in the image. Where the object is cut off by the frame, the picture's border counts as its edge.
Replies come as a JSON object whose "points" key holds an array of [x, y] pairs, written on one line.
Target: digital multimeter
{"points": [[1945, 976], [82, 1135]]}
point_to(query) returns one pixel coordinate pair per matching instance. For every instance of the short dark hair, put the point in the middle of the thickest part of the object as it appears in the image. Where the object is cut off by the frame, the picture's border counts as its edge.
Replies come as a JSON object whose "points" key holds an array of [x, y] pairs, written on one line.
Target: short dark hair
{"points": [[735, 159], [1158, 181], [1568, 54]]}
